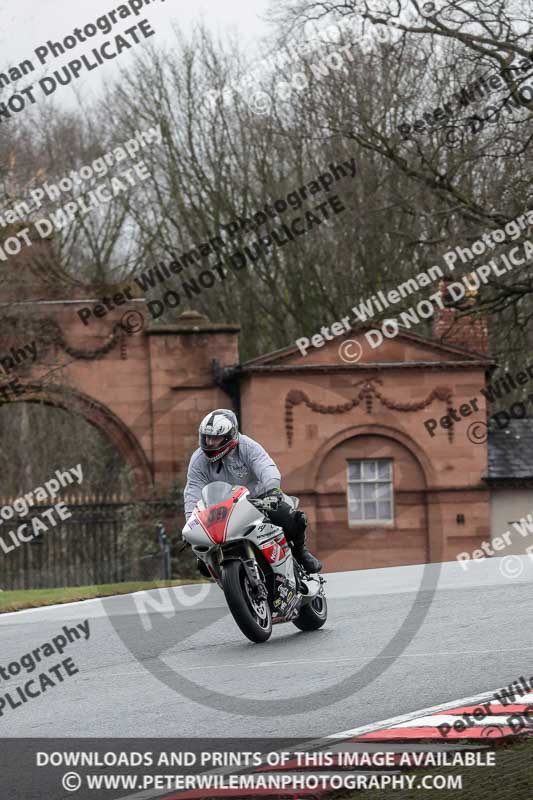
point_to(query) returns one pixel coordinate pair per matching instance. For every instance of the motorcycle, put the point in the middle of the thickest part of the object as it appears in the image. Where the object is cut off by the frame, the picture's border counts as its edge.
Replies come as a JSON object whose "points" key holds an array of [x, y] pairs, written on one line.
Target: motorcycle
{"points": [[251, 561]]}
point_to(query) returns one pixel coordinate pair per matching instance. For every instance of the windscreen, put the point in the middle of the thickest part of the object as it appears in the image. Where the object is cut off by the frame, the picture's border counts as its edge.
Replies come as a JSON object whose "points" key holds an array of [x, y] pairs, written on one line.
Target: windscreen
{"points": [[217, 492]]}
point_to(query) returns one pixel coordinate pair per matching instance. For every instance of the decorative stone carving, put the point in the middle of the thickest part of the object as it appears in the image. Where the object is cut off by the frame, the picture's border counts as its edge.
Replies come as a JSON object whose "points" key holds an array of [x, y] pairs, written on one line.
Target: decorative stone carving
{"points": [[367, 394], [48, 332]]}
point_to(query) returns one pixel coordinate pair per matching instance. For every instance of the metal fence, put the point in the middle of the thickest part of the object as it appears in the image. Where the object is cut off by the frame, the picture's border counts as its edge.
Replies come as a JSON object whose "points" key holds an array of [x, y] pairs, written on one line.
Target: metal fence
{"points": [[101, 542]]}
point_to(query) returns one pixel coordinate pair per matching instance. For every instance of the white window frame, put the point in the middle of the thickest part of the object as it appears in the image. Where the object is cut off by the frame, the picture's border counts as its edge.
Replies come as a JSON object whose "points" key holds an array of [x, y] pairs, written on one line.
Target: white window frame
{"points": [[353, 523]]}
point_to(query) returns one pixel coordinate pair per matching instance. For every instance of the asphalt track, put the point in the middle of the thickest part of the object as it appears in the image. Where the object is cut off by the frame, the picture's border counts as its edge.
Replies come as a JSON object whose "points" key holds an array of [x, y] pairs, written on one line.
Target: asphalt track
{"points": [[476, 635]]}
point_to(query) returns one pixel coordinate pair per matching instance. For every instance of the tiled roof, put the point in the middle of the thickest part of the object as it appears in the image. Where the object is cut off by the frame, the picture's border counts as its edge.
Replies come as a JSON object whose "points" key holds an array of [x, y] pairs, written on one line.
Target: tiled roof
{"points": [[510, 451]]}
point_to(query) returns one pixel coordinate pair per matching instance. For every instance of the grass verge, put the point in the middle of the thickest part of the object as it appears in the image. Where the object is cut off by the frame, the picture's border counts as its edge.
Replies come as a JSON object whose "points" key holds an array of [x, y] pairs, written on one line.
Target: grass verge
{"points": [[35, 598]]}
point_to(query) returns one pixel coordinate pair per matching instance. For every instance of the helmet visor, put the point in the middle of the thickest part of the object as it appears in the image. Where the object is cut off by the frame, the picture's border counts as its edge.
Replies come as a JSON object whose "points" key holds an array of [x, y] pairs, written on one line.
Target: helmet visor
{"points": [[212, 442]]}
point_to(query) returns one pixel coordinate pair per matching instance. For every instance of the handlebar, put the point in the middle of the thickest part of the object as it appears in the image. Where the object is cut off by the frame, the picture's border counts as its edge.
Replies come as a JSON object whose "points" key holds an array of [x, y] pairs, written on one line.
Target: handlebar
{"points": [[260, 505], [255, 502]]}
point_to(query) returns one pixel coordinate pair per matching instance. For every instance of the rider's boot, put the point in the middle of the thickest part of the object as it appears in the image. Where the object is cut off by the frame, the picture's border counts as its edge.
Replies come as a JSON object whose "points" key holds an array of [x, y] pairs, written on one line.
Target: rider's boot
{"points": [[306, 559], [302, 555]]}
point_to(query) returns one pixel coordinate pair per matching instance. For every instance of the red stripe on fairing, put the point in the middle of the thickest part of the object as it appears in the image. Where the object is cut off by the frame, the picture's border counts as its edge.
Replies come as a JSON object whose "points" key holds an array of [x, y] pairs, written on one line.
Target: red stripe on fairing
{"points": [[399, 734], [214, 527], [216, 530]]}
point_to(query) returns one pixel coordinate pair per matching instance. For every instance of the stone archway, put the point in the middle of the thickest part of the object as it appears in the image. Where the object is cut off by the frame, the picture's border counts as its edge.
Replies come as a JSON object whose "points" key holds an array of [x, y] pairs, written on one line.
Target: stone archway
{"points": [[104, 420], [145, 386]]}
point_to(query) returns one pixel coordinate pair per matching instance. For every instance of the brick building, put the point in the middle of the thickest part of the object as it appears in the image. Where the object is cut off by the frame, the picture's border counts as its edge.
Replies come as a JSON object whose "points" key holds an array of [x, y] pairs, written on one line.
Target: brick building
{"points": [[379, 488], [350, 440]]}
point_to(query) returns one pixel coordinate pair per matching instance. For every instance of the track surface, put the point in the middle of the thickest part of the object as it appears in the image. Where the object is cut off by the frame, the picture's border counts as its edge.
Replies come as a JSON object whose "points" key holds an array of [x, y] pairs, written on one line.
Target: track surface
{"points": [[476, 636]]}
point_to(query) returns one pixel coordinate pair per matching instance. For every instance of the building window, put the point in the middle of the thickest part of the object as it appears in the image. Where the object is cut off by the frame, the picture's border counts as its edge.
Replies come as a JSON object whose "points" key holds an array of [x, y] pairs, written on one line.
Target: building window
{"points": [[370, 491]]}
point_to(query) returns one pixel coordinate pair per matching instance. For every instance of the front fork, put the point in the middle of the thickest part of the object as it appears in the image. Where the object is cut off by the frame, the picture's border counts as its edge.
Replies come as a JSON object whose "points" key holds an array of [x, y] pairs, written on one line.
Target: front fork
{"points": [[251, 568], [254, 579]]}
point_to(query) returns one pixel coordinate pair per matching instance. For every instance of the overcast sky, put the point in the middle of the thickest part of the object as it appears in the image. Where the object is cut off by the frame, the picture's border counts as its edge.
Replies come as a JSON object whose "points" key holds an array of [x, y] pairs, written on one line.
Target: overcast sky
{"points": [[28, 24]]}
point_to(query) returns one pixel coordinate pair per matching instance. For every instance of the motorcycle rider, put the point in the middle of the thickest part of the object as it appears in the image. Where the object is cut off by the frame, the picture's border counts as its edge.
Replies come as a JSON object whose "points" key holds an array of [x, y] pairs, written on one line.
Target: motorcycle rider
{"points": [[225, 454]]}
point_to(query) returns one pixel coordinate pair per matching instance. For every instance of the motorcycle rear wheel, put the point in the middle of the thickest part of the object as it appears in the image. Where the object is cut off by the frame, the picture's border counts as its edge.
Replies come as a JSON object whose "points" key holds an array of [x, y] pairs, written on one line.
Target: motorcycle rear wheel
{"points": [[313, 615], [253, 616]]}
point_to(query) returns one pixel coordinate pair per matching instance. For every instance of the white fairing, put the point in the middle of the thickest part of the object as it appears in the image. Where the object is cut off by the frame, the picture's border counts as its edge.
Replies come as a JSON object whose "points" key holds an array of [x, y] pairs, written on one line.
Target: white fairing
{"points": [[243, 515], [247, 524], [266, 536]]}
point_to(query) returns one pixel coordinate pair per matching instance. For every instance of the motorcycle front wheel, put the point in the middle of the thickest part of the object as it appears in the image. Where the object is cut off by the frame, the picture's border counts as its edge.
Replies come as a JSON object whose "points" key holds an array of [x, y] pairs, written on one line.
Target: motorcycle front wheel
{"points": [[253, 616]]}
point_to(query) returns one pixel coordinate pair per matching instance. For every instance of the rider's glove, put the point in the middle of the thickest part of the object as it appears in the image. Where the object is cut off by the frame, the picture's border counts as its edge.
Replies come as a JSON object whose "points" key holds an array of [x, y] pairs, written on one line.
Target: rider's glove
{"points": [[271, 499]]}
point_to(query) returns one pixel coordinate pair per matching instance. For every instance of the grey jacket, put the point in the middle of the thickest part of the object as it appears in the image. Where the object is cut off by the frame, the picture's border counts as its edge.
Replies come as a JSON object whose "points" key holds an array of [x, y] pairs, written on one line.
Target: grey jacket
{"points": [[247, 465]]}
